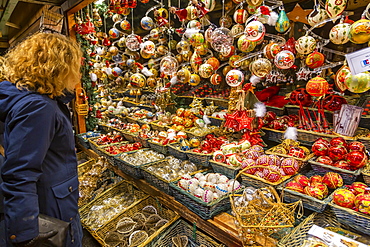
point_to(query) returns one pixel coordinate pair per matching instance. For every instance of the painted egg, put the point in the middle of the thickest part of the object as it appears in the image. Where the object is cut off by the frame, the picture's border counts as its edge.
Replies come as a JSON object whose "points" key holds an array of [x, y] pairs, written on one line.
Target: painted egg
{"points": [[315, 60], [125, 25], [205, 70], [133, 42], [282, 23], [359, 33], [195, 61], [305, 45], [358, 83], [194, 80], [271, 50], [252, 10], [255, 31], [236, 30], [245, 45], [137, 80], [234, 78], [335, 8], [339, 34], [317, 16], [147, 23], [169, 65], [194, 24], [240, 16], [116, 71], [182, 46], [113, 33], [341, 76], [284, 59], [260, 67], [216, 79], [172, 44], [227, 51], [151, 81]]}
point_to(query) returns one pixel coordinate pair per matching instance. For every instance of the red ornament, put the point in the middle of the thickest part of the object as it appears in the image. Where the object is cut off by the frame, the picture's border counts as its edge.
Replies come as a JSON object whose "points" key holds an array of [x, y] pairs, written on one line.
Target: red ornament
{"points": [[290, 45], [302, 180], [314, 192], [333, 102], [357, 188], [316, 179], [337, 152], [315, 60], [300, 97], [338, 141], [317, 86], [356, 146], [295, 186], [296, 152], [320, 147], [290, 166], [326, 160], [332, 180], [342, 164], [357, 159], [344, 198]]}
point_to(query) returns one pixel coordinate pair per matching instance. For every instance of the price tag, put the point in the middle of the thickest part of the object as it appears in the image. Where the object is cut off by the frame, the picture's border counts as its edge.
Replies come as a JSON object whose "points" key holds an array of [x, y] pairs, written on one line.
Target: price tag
{"points": [[359, 61]]}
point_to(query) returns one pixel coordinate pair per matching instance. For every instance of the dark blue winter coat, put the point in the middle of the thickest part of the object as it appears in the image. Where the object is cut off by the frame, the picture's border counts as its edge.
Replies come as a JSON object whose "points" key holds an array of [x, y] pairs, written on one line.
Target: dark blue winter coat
{"points": [[40, 169]]}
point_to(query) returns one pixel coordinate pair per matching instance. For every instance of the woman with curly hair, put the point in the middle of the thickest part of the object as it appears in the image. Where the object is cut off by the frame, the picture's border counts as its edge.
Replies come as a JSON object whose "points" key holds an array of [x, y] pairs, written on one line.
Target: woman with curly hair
{"points": [[40, 167]]}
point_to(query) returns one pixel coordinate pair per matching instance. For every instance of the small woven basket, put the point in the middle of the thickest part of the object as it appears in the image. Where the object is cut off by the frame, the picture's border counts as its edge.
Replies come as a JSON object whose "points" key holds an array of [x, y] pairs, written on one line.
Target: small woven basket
{"points": [[131, 137], [155, 126], [95, 147], [182, 228], [273, 135], [227, 170], [366, 174], [257, 182], [199, 158], [197, 205], [162, 211], [163, 149], [110, 157], [348, 176], [309, 202], [303, 160], [357, 220], [174, 150]]}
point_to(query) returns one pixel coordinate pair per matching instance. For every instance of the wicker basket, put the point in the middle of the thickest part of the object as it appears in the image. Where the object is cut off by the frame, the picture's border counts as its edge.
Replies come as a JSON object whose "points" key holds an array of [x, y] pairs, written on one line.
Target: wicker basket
{"points": [[108, 156], [155, 126], [297, 237], [257, 182], [131, 137], [143, 141], [163, 149], [104, 128], [157, 181], [82, 157], [357, 220], [227, 170], [84, 167], [182, 228], [348, 176], [163, 212], [176, 152], [95, 147], [366, 174], [306, 137], [365, 140], [215, 121], [273, 135], [199, 158], [83, 140], [133, 171], [309, 202], [279, 111], [122, 187], [294, 110]]}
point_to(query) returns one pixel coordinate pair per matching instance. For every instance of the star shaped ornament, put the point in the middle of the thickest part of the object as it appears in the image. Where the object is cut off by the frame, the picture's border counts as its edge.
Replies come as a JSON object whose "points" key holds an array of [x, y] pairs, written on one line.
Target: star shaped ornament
{"points": [[298, 14]]}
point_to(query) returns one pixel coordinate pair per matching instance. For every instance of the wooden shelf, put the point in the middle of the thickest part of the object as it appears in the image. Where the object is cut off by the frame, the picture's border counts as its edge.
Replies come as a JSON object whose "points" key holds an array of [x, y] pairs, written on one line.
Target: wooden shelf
{"points": [[220, 227]]}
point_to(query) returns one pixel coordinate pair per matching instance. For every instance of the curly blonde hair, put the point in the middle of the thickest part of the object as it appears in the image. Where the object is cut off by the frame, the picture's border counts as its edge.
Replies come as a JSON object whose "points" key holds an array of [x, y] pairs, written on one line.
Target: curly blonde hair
{"points": [[45, 63]]}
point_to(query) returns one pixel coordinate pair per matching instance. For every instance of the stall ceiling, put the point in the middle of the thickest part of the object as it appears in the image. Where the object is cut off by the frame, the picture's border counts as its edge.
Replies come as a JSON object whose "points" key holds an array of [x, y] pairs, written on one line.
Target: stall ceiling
{"points": [[18, 18]]}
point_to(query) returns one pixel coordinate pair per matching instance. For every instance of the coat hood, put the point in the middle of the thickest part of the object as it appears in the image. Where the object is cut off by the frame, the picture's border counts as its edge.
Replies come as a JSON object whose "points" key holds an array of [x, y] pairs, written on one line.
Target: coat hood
{"points": [[9, 95]]}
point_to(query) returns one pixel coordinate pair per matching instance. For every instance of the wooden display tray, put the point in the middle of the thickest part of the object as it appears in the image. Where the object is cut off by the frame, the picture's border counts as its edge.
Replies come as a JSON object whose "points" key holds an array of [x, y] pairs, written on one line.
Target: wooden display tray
{"points": [[221, 227]]}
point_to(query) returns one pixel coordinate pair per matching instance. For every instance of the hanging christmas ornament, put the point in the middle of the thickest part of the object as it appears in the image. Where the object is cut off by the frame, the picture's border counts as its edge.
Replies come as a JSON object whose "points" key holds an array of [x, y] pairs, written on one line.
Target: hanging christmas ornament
{"points": [[121, 42], [254, 2], [255, 31], [202, 49], [162, 50], [290, 45], [147, 23], [172, 44], [271, 50], [236, 30], [282, 23], [209, 4], [221, 39], [137, 80], [148, 47], [126, 11], [227, 51], [194, 24], [315, 60], [240, 16], [226, 69], [214, 62], [125, 25], [113, 33], [205, 70], [284, 59], [116, 71], [194, 80], [359, 33], [339, 34], [113, 50], [182, 46], [335, 8], [169, 65], [317, 16], [341, 76], [260, 67], [234, 78], [161, 13], [195, 61], [183, 75], [133, 42], [358, 83], [154, 34], [116, 18], [305, 44], [226, 21], [151, 81], [252, 10], [216, 79], [317, 86], [233, 61], [192, 12], [196, 39], [245, 45]]}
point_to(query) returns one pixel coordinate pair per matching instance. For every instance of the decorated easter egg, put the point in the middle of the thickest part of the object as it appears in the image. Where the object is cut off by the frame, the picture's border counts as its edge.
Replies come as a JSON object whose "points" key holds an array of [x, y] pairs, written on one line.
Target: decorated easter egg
{"points": [[339, 34], [315, 60], [234, 78], [240, 16], [359, 32], [305, 44]]}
